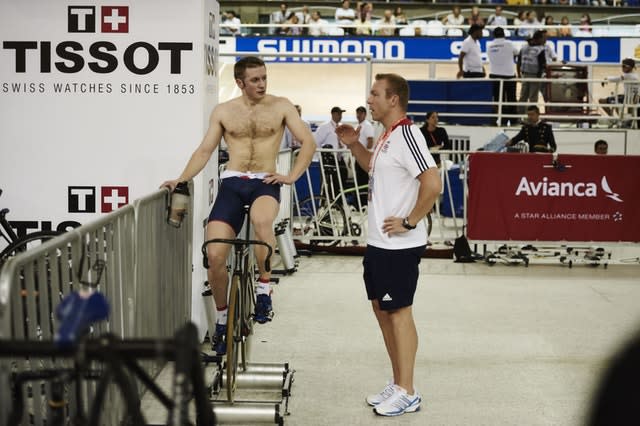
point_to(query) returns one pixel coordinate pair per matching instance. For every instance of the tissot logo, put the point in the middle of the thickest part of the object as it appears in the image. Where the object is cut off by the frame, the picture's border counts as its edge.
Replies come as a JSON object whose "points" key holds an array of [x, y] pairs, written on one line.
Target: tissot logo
{"points": [[82, 199], [113, 197], [115, 19]]}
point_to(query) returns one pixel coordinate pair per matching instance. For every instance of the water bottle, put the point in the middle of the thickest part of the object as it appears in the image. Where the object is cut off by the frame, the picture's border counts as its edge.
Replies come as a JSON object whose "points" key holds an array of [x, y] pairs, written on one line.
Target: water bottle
{"points": [[178, 205]]}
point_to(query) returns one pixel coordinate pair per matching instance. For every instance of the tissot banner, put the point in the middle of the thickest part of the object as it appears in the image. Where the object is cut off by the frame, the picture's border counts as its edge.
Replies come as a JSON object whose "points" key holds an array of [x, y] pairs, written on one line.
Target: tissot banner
{"points": [[102, 101], [529, 197]]}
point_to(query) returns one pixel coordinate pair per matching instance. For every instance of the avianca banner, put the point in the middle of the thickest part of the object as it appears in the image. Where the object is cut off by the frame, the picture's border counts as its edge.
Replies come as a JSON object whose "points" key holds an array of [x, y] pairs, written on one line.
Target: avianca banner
{"points": [[529, 197]]}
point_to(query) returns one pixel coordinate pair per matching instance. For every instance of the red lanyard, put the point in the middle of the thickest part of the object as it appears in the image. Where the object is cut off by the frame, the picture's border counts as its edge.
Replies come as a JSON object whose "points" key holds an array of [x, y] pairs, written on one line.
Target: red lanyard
{"points": [[382, 139]]}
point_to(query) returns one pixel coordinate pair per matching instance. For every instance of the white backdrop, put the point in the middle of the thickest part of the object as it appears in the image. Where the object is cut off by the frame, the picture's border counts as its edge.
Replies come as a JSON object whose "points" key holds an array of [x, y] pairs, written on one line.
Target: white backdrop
{"points": [[100, 103]]}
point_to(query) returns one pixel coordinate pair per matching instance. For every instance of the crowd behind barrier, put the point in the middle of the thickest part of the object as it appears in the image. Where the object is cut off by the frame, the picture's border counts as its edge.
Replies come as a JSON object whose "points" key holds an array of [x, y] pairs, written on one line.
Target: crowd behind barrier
{"points": [[147, 281], [367, 18]]}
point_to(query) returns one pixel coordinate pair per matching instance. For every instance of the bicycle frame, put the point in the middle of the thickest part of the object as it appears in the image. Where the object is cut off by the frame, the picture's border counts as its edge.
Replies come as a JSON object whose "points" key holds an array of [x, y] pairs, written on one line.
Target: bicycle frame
{"points": [[241, 298], [119, 358]]}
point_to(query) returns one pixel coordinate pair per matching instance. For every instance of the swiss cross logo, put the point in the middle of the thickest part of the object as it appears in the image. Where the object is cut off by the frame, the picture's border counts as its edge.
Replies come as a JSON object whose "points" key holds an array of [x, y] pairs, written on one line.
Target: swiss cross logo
{"points": [[115, 19], [113, 197]]}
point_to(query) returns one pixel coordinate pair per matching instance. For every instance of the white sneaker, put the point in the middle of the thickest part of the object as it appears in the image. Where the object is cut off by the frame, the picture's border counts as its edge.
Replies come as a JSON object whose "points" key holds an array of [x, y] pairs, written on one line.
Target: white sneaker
{"points": [[377, 398], [398, 403]]}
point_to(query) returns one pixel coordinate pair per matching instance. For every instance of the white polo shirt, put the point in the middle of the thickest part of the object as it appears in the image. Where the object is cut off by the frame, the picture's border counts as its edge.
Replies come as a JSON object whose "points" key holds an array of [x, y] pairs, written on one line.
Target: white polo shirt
{"points": [[472, 61], [395, 164], [501, 54]]}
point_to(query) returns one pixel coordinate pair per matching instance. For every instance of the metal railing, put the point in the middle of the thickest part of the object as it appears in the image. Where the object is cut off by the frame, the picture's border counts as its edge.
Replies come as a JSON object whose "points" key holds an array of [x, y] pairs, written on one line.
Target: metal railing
{"points": [[587, 110], [147, 280], [330, 203]]}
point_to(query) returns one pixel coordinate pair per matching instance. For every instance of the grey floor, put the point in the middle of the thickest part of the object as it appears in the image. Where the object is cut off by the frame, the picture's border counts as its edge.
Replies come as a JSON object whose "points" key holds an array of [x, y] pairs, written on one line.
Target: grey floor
{"points": [[502, 345]]}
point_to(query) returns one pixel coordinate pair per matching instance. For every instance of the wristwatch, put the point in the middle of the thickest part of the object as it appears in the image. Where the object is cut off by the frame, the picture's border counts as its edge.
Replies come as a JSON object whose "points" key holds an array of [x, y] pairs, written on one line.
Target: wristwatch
{"points": [[407, 225]]}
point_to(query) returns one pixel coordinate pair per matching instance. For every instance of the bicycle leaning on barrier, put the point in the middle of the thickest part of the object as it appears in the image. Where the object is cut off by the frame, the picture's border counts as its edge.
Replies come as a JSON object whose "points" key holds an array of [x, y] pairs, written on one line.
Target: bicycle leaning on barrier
{"points": [[241, 302], [105, 360], [17, 244]]}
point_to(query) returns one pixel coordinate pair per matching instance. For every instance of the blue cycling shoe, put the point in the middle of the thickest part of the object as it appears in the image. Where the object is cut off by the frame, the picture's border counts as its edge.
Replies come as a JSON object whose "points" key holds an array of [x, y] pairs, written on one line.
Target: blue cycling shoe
{"points": [[264, 310]]}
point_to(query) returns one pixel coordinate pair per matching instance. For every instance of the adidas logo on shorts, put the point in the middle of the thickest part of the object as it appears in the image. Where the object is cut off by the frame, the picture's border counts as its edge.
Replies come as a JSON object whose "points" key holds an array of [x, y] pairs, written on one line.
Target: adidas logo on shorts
{"points": [[387, 298]]}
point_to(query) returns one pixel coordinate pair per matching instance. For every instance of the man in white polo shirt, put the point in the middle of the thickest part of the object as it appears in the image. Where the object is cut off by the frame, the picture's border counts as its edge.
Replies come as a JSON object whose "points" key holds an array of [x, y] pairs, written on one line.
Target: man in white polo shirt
{"points": [[404, 183], [470, 59], [502, 54]]}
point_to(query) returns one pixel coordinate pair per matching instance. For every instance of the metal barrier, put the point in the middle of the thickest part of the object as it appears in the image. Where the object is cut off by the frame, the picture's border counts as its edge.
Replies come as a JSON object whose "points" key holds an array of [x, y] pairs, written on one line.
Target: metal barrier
{"points": [[330, 204], [147, 280]]}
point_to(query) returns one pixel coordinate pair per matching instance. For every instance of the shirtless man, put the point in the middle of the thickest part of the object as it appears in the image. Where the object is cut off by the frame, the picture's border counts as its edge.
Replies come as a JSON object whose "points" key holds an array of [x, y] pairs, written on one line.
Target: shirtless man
{"points": [[252, 126]]}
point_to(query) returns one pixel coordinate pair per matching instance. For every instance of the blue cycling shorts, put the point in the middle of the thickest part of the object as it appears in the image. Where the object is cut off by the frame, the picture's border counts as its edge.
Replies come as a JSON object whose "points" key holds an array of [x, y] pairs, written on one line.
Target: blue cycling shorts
{"points": [[235, 193]]}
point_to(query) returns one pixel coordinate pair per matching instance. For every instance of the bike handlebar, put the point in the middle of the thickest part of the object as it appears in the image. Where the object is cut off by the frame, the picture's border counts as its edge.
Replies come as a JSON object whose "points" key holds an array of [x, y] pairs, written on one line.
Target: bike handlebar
{"points": [[238, 242], [91, 349]]}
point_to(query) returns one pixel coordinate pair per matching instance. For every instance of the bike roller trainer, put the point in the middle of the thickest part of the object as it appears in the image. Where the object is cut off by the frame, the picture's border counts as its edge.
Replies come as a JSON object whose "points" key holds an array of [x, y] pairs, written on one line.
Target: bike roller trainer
{"points": [[262, 394]]}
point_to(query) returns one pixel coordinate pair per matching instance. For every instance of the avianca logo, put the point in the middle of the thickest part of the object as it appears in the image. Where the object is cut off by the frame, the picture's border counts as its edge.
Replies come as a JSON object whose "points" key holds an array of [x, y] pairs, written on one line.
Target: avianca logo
{"points": [[545, 188]]}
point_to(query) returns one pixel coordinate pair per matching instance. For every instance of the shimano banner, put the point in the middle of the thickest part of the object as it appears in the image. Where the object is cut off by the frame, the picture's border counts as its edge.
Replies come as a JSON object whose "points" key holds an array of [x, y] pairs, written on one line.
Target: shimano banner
{"points": [[599, 50], [576, 198]]}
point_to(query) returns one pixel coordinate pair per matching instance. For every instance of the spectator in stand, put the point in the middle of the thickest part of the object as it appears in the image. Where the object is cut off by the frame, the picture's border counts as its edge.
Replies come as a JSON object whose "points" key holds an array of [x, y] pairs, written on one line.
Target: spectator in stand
{"points": [[363, 21], [436, 137], [536, 133], [518, 20], [550, 26], [530, 25], [501, 54], [470, 59], [475, 18], [279, 18], [346, 16], [231, 23], [400, 17], [291, 26], [497, 19], [584, 29], [364, 8], [317, 25], [455, 18], [531, 64], [601, 147], [565, 27], [304, 16], [387, 25]]}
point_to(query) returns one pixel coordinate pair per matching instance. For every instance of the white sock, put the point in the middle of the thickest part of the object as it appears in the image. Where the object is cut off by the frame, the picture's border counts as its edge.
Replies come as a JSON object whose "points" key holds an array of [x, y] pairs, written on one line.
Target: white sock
{"points": [[221, 316], [263, 288]]}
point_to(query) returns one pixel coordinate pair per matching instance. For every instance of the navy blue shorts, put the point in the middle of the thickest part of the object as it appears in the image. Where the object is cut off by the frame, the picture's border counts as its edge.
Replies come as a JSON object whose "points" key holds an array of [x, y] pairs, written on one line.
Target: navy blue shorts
{"points": [[391, 276], [235, 193]]}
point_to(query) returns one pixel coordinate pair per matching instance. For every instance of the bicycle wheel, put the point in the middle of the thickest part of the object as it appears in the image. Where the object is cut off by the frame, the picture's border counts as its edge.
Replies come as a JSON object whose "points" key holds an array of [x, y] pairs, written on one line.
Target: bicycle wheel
{"points": [[248, 297], [234, 336], [25, 243], [324, 218]]}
